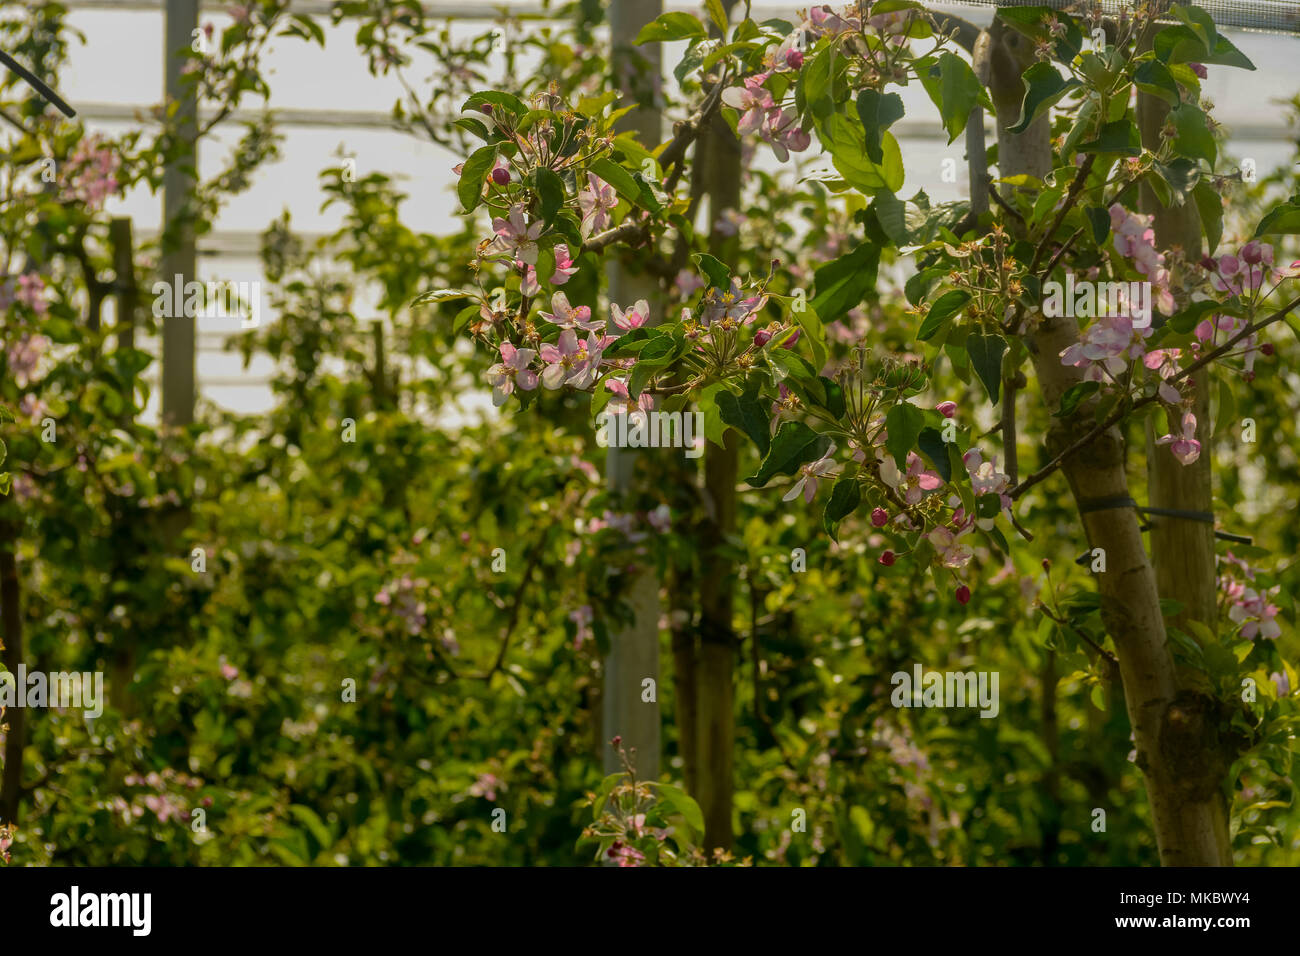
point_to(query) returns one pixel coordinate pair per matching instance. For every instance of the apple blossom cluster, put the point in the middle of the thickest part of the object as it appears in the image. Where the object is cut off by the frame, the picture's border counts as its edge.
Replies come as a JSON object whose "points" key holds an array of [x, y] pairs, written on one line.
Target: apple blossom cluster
{"points": [[23, 357], [776, 126], [91, 173], [1248, 606], [402, 598]]}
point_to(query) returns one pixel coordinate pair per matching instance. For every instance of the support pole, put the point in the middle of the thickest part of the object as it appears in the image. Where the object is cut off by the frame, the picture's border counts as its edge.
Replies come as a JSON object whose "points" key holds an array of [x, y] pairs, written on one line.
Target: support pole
{"points": [[178, 252]]}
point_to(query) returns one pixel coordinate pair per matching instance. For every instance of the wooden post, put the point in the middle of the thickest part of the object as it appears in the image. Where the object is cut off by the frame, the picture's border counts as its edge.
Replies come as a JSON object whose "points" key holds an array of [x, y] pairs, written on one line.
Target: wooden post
{"points": [[178, 254], [634, 650], [128, 295]]}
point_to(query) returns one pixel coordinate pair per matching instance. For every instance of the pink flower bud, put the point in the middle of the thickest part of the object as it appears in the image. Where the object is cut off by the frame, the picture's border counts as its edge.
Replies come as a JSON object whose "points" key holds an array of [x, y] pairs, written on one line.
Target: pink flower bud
{"points": [[789, 343], [794, 59], [946, 409], [963, 595], [887, 558], [761, 337], [501, 175], [879, 517], [1200, 70]]}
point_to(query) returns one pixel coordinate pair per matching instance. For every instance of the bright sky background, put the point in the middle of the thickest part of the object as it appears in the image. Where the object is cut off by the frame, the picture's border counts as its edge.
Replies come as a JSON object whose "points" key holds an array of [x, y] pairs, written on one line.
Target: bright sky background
{"points": [[121, 64]]}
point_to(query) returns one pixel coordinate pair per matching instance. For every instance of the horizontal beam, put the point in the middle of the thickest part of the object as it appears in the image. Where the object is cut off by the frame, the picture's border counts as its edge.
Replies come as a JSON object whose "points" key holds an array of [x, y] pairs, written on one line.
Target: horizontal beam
{"points": [[379, 119]]}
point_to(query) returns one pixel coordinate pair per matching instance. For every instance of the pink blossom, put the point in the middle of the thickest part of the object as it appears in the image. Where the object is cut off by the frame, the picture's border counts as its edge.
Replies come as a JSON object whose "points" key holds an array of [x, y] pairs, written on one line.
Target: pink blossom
{"points": [[564, 265], [581, 617], [31, 292], [809, 475], [752, 100], [571, 317], [596, 203], [1185, 446], [952, 553], [512, 370], [566, 362], [516, 236], [91, 173], [634, 318], [23, 357], [1165, 361]]}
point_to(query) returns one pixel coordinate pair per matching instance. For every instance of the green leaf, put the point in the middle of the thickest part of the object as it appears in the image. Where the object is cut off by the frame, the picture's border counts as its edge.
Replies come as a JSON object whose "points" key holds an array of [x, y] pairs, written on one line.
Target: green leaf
{"points": [[1120, 137], [794, 444], [473, 175], [1193, 135], [889, 211], [944, 308], [843, 137], [508, 102], [1030, 22], [1186, 320], [1154, 77], [682, 802], [1083, 123], [718, 14], [747, 413], [932, 445], [814, 332], [955, 89], [618, 177], [903, 423], [1099, 219], [672, 26], [1043, 88], [846, 495], [1210, 206], [707, 405], [550, 189], [842, 283], [878, 112], [718, 274], [1180, 44], [442, 295], [986, 353], [1281, 220], [1073, 396], [1180, 176]]}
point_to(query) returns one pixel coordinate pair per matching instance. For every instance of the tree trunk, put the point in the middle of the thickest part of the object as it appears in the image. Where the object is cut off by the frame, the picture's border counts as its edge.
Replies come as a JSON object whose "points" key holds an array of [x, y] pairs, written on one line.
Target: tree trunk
{"points": [[12, 623], [1175, 732], [1182, 549], [634, 650]]}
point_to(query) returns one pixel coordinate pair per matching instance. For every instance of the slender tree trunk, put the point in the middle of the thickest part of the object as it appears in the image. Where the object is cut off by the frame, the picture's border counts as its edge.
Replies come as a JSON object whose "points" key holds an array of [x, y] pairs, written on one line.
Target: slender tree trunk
{"points": [[1175, 731], [715, 687], [1182, 549], [718, 156], [12, 623], [634, 650], [685, 692]]}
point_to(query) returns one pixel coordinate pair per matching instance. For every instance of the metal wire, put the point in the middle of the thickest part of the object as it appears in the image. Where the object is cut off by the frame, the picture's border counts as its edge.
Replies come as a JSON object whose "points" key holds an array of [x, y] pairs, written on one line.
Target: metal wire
{"points": [[1265, 16]]}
